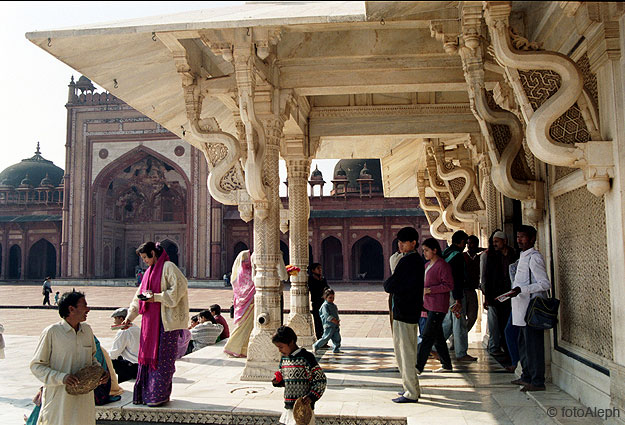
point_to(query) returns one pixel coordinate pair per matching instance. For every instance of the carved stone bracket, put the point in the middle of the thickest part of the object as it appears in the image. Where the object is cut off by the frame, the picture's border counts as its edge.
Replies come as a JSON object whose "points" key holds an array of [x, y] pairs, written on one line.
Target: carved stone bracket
{"points": [[433, 212], [441, 193], [255, 133], [455, 168], [502, 130], [221, 149], [264, 39], [540, 117], [446, 31]]}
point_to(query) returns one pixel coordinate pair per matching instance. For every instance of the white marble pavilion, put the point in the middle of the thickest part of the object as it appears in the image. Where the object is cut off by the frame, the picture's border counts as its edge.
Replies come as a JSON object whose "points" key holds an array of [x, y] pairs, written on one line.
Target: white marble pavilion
{"points": [[472, 106]]}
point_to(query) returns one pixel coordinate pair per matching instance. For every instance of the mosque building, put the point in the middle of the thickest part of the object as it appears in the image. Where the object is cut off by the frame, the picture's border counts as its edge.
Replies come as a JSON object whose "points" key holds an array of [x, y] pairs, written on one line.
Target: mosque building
{"points": [[129, 180], [31, 203]]}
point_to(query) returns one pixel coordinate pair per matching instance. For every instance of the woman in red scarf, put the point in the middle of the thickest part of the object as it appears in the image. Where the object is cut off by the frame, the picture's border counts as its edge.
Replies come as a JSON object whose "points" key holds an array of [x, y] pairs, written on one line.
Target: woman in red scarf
{"points": [[163, 301]]}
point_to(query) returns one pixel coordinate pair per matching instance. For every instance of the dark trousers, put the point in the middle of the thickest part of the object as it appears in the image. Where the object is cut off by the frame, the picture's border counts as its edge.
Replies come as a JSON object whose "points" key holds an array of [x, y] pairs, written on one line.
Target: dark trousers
{"points": [[512, 341], [532, 354], [46, 299], [504, 311], [433, 336], [317, 319], [472, 308], [124, 369]]}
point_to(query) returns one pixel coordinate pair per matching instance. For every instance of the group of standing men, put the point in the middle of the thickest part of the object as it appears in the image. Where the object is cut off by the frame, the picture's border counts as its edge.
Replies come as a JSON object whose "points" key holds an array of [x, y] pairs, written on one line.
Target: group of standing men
{"points": [[495, 271]]}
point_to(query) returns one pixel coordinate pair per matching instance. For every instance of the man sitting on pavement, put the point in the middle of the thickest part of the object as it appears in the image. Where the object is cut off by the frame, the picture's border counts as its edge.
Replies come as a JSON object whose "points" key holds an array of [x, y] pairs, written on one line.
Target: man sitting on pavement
{"points": [[206, 332], [215, 310], [125, 351]]}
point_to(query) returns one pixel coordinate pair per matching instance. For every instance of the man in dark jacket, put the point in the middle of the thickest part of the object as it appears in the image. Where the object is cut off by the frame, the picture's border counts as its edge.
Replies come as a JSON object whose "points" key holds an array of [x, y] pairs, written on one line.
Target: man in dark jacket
{"points": [[496, 281], [457, 315], [316, 285], [406, 286], [472, 265]]}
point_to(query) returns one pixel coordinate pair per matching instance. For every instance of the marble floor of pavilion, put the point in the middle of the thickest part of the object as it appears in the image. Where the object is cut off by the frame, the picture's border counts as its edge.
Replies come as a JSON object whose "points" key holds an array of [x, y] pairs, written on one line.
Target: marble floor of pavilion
{"points": [[361, 383]]}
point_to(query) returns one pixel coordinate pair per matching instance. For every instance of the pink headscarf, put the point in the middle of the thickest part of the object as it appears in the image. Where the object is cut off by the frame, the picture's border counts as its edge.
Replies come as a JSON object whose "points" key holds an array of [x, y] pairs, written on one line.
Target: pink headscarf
{"points": [[151, 321], [243, 288]]}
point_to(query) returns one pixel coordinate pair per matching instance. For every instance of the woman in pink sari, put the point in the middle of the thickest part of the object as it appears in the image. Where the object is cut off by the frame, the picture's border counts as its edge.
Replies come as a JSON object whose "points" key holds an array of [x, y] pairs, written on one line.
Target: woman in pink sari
{"points": [[244, 290], [163, 302]]}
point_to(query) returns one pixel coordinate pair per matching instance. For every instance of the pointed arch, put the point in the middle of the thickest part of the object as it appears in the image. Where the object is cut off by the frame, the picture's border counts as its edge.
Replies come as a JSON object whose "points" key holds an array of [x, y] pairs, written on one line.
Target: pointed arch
{"points": [[166, 201], [332, 258], [367, 259], [41, 260], [131, 157], [15, 262]]}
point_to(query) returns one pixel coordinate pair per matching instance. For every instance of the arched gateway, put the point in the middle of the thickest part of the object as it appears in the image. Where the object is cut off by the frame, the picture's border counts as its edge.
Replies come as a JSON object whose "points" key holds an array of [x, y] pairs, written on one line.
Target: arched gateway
{"points": [[140, 195]]}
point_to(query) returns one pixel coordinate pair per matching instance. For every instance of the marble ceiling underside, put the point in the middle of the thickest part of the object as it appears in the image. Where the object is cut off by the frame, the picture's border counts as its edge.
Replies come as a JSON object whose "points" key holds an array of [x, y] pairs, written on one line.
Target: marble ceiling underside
{"points": [[449, 95]]}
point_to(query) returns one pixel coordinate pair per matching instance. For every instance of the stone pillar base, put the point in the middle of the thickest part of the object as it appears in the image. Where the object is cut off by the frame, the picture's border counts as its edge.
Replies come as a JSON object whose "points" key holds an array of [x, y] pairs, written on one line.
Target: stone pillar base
{"points": [[262, 358], [302, 324]]}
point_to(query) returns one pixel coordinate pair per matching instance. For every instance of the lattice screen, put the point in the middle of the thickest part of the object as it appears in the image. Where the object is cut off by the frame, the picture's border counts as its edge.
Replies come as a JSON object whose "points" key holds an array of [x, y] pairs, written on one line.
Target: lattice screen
{"points": [[584, 287]]}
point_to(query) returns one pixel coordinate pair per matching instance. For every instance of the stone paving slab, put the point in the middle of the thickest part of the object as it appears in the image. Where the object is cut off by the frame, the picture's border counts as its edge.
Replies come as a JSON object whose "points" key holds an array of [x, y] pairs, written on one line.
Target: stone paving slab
{"points": [[207, 387], [30, 322], [364, 297]]}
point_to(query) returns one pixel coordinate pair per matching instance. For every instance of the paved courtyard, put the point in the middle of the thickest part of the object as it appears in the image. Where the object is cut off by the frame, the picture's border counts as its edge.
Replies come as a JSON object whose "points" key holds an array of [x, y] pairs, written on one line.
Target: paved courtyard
{"points": [[361, 381]]}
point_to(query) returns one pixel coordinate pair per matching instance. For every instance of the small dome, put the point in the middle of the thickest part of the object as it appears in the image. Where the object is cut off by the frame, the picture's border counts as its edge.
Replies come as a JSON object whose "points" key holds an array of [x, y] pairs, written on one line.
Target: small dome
{"points": [[6, 184], [316, 174], [84, 84], [26, 182], [340, 172], [46, 182], [355, 168], [365, 173], [36, 168]]}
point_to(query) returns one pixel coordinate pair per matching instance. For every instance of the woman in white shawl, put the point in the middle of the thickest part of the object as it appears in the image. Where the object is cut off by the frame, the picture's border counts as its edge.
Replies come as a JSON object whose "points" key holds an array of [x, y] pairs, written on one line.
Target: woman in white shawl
{"points": [[244, 290]]}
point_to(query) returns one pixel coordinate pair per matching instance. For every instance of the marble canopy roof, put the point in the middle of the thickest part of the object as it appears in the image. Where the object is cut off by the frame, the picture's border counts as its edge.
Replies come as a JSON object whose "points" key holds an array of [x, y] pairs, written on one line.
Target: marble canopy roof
{"points": [[371, 80]]}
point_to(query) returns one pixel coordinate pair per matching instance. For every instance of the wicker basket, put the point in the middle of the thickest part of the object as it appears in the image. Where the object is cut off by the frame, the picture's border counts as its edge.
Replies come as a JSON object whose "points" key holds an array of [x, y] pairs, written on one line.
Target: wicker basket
{"points": [[88, 378], [302, 412]]}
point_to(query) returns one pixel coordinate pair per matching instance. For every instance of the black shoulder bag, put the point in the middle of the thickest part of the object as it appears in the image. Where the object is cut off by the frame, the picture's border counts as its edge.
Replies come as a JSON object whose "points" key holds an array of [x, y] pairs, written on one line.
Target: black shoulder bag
{"points": [[542, 313]]}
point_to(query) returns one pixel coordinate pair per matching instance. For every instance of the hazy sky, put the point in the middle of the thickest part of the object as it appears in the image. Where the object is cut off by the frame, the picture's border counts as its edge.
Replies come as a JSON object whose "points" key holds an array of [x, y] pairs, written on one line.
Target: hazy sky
{"points": [[33, 83]]}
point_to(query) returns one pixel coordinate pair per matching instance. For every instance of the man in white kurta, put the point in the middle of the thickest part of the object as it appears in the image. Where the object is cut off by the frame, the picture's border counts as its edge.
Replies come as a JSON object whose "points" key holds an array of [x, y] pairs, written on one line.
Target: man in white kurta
{"points": [[65, 348]]}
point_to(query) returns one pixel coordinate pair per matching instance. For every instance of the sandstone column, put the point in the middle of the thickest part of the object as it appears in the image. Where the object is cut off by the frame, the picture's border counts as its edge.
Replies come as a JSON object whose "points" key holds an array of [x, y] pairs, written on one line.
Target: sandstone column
{"points": [[300, 318]]}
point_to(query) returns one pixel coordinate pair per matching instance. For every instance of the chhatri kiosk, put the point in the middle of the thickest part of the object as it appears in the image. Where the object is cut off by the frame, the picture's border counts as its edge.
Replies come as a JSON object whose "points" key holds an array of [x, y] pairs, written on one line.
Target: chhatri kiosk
{"points": [[485, 110]]}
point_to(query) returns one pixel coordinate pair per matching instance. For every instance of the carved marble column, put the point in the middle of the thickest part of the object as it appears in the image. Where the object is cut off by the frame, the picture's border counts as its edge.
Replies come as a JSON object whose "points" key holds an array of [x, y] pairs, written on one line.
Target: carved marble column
{"points": [[300, 319], [262, 355]]}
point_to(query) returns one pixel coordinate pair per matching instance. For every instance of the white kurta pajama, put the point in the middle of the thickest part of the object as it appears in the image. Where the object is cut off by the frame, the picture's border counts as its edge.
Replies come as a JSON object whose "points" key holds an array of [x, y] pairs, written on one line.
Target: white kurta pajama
{"points": [[62, 351]]}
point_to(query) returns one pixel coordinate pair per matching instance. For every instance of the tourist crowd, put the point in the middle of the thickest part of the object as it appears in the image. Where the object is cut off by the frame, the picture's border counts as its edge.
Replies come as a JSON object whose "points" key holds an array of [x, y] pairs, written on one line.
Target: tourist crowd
{"points": [[432, 300]]}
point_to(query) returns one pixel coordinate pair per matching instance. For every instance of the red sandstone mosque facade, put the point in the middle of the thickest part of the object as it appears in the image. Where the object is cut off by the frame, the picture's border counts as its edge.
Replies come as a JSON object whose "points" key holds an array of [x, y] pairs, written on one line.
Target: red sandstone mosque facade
{"points": [[128, 180]]}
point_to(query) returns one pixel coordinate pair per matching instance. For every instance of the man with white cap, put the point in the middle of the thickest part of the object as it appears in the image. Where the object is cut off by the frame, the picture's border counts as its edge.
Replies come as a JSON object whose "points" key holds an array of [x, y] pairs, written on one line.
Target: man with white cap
{"points": [[496, 281], [125, 351]]}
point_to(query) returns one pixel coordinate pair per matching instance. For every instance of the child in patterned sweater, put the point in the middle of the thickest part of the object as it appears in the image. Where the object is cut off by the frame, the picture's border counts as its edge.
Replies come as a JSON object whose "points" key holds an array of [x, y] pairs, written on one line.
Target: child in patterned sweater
{"points": [[299, 374]]}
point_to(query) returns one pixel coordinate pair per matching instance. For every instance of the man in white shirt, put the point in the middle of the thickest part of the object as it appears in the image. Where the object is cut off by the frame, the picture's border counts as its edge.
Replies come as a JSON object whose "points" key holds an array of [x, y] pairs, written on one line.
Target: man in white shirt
{"points": [[530, 281], [64, 348], [206, 332], [125, 351]]}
